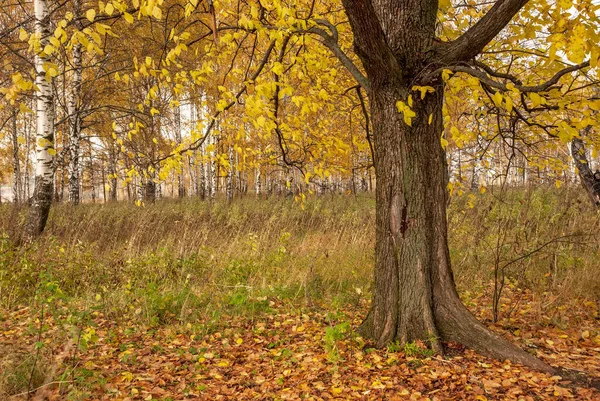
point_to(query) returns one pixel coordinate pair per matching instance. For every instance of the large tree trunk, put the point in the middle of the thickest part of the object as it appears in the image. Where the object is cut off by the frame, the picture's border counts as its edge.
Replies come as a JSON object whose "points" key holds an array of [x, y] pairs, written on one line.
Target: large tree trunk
{"points": [[44, 173], [414, 297]]}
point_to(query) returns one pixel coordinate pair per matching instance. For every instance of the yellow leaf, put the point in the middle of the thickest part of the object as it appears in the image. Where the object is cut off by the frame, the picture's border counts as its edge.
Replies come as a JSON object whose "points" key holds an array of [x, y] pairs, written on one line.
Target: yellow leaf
{"points": [[23, 35], [378, 385], [128, 376], [157, 12], [336, 390], [535, 99], [128, 17], [24, 109], [91, 14], [509, 104], [497, 98], [406, 111], [48, 49]]}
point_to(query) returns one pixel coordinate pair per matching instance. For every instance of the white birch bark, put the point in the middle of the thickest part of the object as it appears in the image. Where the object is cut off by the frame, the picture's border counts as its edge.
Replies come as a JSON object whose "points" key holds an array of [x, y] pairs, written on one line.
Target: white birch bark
{"points": [[73, 108], [112, 171], [204, 182], [180, 175], [44, 173], [230, 173], [26, 184], [257, 184], [213, 170], [17, 187]]}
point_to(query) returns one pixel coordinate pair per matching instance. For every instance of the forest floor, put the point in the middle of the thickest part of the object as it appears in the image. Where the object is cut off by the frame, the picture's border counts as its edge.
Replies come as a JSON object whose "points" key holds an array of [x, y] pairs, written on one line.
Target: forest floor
{"points": [[293, 352], [258, 300]]}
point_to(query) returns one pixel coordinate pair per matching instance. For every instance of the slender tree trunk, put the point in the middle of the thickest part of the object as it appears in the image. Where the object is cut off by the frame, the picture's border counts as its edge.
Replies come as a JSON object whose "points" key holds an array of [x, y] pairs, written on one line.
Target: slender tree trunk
{"points": [[26, 184], [257, 182], [591, 185], [17, 186], [112, 171], [230, 174], [103, 173], [148, 190], [193, 175], [92, 174], [75, 127], [212, 164], [44, 173], [414, 296], [203, 182], [180, 175]]}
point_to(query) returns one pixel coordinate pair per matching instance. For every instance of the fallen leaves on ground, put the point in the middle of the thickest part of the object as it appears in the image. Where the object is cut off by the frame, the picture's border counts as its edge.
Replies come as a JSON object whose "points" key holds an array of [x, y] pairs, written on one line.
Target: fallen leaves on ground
{"points": [[282, 356]]}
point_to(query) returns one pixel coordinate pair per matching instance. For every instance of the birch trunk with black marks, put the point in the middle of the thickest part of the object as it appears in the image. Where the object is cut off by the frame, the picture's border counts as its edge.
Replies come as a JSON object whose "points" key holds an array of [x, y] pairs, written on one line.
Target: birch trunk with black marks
{"points": [[112, 173], [44, 172], [585, 172], [230, 173], [17, 183], [212, 170], [180, 176], [92, 174], [257, 183], [193, 175], [414, 296], [73, 108]]}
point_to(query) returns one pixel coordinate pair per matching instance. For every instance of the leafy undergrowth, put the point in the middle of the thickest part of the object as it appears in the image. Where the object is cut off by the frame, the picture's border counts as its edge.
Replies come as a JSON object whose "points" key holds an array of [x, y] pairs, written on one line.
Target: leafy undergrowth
{"points": [[293, 352]]}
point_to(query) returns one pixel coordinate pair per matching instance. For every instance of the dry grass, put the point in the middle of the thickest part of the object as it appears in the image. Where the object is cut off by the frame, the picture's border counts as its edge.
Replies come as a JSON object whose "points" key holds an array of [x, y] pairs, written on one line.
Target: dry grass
{"points": [[542, 239]]}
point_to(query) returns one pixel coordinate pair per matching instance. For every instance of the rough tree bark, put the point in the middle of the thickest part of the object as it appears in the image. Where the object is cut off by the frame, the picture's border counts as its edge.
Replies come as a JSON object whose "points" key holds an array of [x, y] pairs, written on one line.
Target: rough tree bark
{"points": [[415, 296], [585, 172], [44, 173]]}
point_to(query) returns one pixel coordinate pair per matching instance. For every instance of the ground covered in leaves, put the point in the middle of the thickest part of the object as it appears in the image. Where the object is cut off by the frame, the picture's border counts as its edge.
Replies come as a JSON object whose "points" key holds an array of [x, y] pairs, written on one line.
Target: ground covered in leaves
{"points": [[291, 352]]}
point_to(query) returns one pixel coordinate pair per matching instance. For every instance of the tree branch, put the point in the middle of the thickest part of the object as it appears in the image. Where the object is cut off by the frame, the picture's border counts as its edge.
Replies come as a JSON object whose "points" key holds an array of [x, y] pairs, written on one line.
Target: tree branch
{"points": [[472, 42], [370, 43], [485, 78], [331, 42]]}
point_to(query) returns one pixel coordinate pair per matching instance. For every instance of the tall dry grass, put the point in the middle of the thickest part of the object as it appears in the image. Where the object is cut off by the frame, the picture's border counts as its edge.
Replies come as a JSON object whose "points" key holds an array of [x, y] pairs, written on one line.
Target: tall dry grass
{"points": [[540, 238]]}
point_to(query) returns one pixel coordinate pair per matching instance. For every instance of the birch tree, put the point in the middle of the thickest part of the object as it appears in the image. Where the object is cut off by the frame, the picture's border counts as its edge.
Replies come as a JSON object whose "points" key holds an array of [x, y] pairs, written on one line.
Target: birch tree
{"points": [[17, 182], [44, 173], [73, 109]]}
